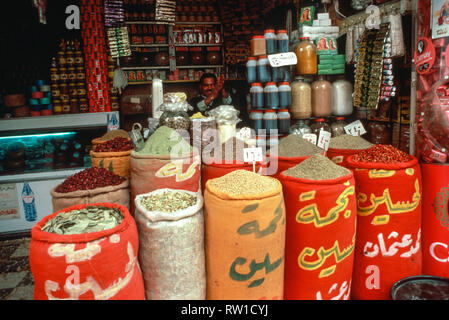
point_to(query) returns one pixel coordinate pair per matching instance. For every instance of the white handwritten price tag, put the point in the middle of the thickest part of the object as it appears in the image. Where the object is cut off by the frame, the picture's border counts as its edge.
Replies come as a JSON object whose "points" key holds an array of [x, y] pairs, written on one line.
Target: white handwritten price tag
{"points": [[311, 137], [252, 154], [355, 128], [283, 59], [324, 139]]}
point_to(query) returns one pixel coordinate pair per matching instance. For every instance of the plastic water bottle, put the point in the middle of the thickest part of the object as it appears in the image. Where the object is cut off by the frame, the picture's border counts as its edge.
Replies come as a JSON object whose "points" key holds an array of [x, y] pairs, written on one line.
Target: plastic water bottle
{"points": [[29, 203], [113, 123]]}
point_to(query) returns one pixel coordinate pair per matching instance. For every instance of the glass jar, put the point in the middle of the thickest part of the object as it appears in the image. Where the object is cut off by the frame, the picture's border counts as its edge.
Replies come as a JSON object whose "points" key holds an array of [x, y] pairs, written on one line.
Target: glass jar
{"points": [[258, 46], [271, 96], [271, 39], [285, 95], [307, 57], [318, 125], [264, 69], [321, 98], [257, 98], [283, 121], [338, 127], [251, 70], [379, 132], [301, 107], [342, 98], [300, 128], [270, 121], [256, 117], [282, 41]]}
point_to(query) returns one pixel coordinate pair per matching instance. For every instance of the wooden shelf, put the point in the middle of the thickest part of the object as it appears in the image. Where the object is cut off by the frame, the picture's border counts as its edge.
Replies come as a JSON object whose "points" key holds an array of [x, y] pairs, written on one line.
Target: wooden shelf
{"points": [[200, 67], [146, 68], [198, 45], [197, 23], [155, 45], [147, 22], [134, 83]]}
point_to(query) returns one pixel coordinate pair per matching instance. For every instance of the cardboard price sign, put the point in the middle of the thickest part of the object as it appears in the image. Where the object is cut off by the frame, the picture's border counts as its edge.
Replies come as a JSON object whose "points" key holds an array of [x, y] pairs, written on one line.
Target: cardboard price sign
{"points": [[283, 59], [324, 139], [311, 137], [355, 128], [252, 154]]}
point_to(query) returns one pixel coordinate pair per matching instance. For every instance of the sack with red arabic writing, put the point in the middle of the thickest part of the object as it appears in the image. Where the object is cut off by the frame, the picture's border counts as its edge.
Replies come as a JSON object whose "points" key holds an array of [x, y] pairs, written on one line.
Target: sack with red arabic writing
{"points": [[388, 244], [276, 164], [149, 173], [320, 237], [340, 156], [91, 266]]}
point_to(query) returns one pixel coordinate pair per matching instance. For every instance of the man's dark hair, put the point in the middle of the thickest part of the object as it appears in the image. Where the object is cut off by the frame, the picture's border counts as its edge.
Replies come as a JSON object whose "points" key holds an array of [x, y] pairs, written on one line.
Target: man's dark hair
{"points": [[208, 75]]}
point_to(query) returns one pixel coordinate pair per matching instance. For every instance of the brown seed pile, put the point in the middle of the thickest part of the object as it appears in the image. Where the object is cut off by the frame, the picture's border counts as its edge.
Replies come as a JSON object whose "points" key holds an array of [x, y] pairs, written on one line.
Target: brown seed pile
{"points": [[245, 182], [348, 141], [232, 149], [295, 146], [317, 167], [169, 201]]}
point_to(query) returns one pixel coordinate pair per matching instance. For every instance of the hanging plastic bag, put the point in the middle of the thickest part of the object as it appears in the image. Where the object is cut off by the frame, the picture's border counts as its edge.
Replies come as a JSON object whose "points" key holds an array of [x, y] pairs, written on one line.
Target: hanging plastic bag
{"points": [[349, 45], [175, 111], [227, 118], [396, 35]]}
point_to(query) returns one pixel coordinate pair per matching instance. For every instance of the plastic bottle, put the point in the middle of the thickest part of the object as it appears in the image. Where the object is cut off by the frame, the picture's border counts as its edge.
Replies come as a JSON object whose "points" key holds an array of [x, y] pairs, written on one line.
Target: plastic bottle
{"points": [[157, 97], [263, 69], [283, 121], [270, 121], [282, 41], [285, 95], [307, 57], [271, 40], [257, 96], [29, 203], [318, 125], [338, 126], [256, 117], [301, 106], [300, 128], [258, 46], [321, 98], [342, 98], [271, 96], [251, 70]]}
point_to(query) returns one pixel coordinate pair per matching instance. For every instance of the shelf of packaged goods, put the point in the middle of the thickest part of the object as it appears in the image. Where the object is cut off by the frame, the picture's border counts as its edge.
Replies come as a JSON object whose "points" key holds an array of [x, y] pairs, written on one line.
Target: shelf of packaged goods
{"points": [[148, 22], [174, 81], [198, 44], [200, 67], [205, 23], [64, 121], [50, 174], [153, 45], [146, 68]]}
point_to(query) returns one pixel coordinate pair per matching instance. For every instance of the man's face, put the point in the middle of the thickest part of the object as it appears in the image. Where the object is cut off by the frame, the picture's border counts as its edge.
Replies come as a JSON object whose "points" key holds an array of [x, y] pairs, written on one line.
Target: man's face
{"points": [[207, 86]]}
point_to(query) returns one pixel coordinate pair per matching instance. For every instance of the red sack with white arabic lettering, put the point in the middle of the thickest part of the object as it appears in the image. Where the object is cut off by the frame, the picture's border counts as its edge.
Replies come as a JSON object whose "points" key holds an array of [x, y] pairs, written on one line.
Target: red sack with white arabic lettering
{"points": [[320, 237], [388, 244], [90, 266], [149, 173]]}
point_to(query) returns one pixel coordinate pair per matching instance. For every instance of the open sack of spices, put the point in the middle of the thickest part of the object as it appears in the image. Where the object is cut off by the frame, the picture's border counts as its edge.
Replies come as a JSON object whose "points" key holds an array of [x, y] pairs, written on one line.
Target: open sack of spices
{"points": [[110, 135], [245, 237], [289, 152], [175, 111], [165, 161], [92, 185], [86, 252], [113, 155], [227, 118], [171, 234], [341, 147], [321, 229], [389, 197]]}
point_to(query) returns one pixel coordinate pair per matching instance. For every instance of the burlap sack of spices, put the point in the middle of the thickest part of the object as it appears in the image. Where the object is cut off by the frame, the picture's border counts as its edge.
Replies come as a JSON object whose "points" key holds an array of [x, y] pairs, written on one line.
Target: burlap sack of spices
{"points": [[98, 265], [171, 235], [116, 162]]}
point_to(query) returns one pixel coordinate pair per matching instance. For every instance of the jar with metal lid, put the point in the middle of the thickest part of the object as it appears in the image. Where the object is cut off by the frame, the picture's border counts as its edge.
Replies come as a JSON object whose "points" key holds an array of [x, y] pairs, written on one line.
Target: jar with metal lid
{"points": [[70, 58], [321, 97], [80, 74], [301, 107], [115, 106], [81, 89], [264, 69], [256, 117], [258, 46], [55, 92], [54, 75], [84, 106], [300, 128], [283, 121], [257, 98], [74, 106], [79, 60], [64, 89], [270, 121], [285, 95], [63, 75], [73, 90], [318, 125], [62, 62], [338, 127], [251, 70], [379, 132], [307, 57], [66, 106], [282, 41], [270, 39], [271, 95], [342, 98], [57, 106]]}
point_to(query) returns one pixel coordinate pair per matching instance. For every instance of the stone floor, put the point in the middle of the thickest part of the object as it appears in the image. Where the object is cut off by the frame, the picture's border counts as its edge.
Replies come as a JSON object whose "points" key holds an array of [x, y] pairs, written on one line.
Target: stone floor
{"points": [[16, 280]]}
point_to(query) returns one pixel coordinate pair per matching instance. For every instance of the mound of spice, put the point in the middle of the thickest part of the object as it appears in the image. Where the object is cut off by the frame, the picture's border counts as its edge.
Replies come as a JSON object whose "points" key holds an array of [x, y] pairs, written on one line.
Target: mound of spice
{"points": [[88, 179], [382, 153], [245, 182], [86, 220], [118, 144], [231, 149], [169, 201], [113, 134], [165, 141], [295, 146], [347, 141], [317, 167]]}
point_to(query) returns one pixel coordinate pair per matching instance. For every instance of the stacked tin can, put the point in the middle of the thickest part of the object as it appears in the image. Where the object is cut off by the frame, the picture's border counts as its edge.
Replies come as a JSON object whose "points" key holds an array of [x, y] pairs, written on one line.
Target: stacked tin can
{"points": [[96, 61], [113, 92], [68, 79]]}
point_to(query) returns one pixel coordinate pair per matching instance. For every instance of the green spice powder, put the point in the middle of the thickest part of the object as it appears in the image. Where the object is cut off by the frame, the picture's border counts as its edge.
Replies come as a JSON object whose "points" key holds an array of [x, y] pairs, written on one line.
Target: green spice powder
{"points": [[165, 141]]}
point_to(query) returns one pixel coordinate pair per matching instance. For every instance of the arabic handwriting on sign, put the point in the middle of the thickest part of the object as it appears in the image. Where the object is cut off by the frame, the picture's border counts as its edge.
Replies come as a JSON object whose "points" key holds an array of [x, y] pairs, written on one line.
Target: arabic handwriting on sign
{"points": [[253, 268], [372, 250], [253, 226], [323, 254], [385, 198], [310, 213]]}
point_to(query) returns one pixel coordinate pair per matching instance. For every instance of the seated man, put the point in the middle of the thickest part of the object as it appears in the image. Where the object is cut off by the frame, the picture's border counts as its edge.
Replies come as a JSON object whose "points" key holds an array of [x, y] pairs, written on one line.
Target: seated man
{"points": [[212, 94]]}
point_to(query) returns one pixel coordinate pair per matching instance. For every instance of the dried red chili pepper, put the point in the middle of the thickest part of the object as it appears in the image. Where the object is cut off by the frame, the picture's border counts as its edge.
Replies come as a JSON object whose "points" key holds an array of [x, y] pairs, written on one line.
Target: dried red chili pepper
{"points": [[382, 154], [118, 144], [88, 179]]}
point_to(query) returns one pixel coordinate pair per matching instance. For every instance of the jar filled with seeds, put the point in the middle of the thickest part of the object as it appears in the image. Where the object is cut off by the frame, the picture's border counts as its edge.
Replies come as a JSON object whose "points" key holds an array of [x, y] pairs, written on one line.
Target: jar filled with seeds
{"points": [[175, 111], [338, 127]]}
